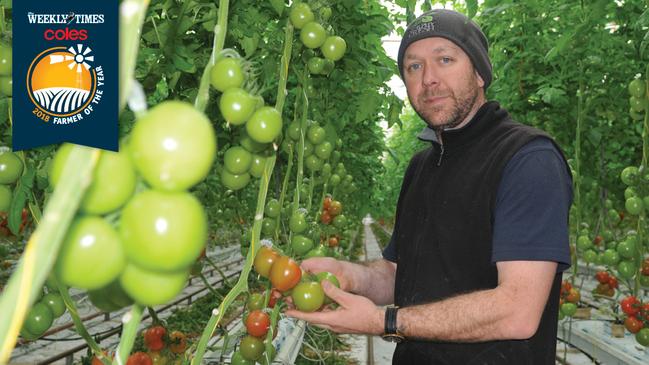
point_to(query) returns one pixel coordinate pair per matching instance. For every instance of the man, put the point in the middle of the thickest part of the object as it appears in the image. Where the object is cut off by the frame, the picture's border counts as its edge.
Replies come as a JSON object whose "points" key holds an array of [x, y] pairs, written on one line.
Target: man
{"points": [[481, 234]]}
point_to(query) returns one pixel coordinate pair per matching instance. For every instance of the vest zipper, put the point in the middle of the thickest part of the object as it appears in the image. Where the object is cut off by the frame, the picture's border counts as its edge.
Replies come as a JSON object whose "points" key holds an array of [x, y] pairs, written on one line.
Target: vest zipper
{"points": [[441, 154]]}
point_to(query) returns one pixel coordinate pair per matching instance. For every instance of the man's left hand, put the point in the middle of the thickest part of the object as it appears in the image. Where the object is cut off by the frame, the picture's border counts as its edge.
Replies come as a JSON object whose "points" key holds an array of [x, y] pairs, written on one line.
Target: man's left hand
{"points": [[355, 314]]}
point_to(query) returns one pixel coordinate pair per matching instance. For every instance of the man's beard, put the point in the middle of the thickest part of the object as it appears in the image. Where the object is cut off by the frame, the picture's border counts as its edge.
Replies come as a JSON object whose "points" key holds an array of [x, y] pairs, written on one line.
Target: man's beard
{"points": [[461, 108]]}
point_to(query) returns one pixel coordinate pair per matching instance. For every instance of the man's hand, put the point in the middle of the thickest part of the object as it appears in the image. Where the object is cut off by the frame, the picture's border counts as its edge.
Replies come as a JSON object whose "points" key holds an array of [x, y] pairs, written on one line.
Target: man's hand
{"points": [[355, 314], [338, 268]]}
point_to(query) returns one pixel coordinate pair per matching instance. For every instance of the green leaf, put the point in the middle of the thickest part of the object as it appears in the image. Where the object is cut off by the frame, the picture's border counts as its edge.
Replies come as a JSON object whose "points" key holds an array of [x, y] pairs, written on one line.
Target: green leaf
{"points": [[249, 45], [561, 44], [472, 8], [21, 193], [278, 5]]}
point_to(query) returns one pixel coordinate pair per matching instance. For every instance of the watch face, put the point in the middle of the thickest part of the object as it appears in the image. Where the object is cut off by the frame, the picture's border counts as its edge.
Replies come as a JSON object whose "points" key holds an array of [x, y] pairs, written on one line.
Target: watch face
{"points": [[392, 338]]}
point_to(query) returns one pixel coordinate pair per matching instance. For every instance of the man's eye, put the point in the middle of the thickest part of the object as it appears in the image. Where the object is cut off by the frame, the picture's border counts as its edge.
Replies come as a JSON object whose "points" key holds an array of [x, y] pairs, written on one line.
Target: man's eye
{"points": [[414, 67], [446, 60]]}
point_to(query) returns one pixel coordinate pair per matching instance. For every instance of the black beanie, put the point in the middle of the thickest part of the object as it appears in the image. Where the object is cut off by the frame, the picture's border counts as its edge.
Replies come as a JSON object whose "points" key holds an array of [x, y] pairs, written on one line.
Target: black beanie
{"points": [[455, 27]]}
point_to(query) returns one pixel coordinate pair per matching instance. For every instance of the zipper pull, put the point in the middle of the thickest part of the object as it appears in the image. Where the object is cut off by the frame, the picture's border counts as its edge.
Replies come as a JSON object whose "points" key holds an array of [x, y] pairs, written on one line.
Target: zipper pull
{"points": [[441, 155]]}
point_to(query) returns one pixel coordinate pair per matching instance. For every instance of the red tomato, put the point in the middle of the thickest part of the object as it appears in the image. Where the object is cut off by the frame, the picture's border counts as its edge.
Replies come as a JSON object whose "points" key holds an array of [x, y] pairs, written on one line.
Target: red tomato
{"points": [[274, 296], [139, 358], [325, 217], [285, 273], [630, 305], [633, 324], [602, 276], [257, 323], [326, 203], [333, 241], [573, 295], [154, 338], [612, 282], [335, 208]]}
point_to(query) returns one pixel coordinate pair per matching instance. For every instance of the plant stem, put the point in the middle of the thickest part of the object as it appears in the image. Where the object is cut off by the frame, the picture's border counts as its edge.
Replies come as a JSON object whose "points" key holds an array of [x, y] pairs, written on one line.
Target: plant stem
{"points": [[43, 246], [220, 30], [131, 18], [131, 322]]}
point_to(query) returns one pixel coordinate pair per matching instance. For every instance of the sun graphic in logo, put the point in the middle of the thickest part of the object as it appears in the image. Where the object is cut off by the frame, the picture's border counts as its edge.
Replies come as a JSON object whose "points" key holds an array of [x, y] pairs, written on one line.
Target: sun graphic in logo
{"points": [[61, 81]]}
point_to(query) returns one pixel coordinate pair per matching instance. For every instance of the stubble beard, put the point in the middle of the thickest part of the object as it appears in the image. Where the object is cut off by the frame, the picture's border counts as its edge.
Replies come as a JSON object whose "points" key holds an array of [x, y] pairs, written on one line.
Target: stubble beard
{"points": [[460, 108]]}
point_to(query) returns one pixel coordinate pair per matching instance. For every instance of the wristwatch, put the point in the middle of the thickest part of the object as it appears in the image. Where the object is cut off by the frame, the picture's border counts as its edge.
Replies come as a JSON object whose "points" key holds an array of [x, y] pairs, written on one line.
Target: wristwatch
{"points": [[391, 333]]}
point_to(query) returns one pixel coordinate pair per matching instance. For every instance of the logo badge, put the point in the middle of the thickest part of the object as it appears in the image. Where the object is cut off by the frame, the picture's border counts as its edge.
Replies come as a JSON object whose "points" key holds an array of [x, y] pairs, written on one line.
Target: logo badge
{"points": [[66, 54]]}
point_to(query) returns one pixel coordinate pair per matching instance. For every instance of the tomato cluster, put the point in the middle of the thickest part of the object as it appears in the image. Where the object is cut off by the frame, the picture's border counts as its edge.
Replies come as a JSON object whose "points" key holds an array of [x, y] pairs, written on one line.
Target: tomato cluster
{"points": [[5, 69], [263, 124], [11, 168], [607, 284], [42, 314], [637, 318], [162, 228], [313, 35], [570, 296]]}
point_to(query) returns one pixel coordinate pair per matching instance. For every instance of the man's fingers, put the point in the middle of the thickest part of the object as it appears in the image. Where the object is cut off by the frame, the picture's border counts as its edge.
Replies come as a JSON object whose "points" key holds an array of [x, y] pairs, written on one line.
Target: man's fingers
{"points": [[333, 292]]}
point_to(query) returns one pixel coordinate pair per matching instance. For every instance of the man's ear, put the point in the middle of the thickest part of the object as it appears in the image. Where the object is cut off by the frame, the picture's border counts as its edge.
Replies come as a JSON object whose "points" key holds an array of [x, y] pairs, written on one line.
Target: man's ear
{"points": [[480, 80]]}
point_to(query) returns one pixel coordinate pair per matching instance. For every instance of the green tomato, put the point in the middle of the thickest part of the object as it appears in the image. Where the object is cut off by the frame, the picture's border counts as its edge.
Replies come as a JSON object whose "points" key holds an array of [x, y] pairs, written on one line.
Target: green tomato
{"points": [[100, 298], [629, 174], [583, 243], [611, 257], [635, 115], [236, 105], [316, 134], [297, 223], [325, 12], [117, 294], [55, 303], [626, 249], [6, 85], [238, 359], [340, 221], [629, 192], [637, 88], [323, 151], [613, 216], [293, 130], [5, 198], [308, 148], [272, 208], [237, 160], [638, 105], [334, 180], [308, 296], [334, 48], [301, 244], [568, 309], [265, 125], [163, 231], [251, 348], [152, 288], [326, 275], [38, 320], [313, 35], [634, 205], [251, 145], [255, 301], [234, 182], [6, 54], [300, 15], [257, 166], [313, 163], [590, 256], [320, 251], [11, 167], [89, 244], [315, 65], [268, 226], [644, 281], [626, 269], [173, 146], [226, 73], [108, 190], [328, 67], [642, 337]]}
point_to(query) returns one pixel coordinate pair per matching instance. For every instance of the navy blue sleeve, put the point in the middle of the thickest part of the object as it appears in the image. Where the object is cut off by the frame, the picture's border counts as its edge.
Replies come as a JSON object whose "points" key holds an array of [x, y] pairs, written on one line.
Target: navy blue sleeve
{"points": [[390, 251], [532, 207]]}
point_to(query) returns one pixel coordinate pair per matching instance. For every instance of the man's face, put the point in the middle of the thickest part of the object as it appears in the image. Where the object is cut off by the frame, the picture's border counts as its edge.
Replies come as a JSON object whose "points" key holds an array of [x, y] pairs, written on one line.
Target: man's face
{"points": [[443, 87]]}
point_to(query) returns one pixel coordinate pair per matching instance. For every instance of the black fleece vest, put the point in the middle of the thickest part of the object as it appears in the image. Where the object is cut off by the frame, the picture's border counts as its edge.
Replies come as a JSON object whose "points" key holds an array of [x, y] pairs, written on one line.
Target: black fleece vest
{"points": [[444, 231]]}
